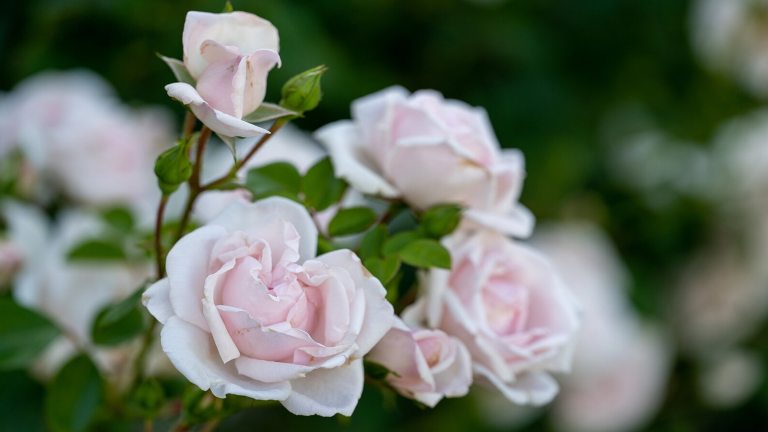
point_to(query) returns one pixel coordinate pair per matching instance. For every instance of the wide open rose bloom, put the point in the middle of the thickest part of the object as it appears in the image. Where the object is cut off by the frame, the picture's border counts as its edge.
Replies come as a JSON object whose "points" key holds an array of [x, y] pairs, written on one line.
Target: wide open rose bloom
{"points": [[248, 309], [229, 56], [426, 364], [509, 307], [429, 150]]}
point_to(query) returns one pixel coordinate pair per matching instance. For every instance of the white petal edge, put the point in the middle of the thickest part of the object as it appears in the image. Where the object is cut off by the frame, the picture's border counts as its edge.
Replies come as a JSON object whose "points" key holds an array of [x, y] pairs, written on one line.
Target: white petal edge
{"points": [[346, 150], [327, 392], [518, 223], [219, 122], [157, 300], [532, 388], [241, 215], [191, 352]]}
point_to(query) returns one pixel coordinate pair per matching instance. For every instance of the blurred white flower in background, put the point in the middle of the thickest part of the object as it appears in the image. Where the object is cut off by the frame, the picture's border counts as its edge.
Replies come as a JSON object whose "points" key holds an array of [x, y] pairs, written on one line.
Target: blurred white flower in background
{"points": [[69, 292], [620, 364], [730, 37], [729, 378], [82, 141]]}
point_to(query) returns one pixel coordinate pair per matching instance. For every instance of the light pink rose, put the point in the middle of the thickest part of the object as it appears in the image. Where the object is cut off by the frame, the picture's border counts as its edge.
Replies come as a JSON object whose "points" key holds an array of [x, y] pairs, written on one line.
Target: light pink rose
{"points": [[426, 365], [428, 151], [509, 307], [248, 309], [229, 56]]}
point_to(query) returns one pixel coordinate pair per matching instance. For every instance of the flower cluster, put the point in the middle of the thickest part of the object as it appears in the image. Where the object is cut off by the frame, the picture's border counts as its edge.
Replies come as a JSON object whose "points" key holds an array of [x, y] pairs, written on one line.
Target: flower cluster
{"points": [[283, 270]]}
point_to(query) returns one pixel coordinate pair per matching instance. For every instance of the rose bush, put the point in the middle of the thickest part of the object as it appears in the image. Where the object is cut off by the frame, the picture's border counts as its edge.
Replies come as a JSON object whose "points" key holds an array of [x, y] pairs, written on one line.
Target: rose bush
{"points": [[425, 365], [429, 151], [228, 55], [509, 307], [248, 309]]}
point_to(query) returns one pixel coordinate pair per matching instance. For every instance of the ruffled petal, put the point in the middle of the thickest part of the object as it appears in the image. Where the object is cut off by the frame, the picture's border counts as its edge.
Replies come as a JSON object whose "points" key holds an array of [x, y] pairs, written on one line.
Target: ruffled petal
{"points": [[327, 392]]}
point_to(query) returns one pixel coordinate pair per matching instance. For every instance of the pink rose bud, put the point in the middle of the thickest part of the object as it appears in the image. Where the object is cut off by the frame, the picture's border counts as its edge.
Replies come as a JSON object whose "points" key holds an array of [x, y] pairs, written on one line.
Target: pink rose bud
{"points": [[229, 55], [429, 150], [509, 307], [248, 309], [426, 365]]}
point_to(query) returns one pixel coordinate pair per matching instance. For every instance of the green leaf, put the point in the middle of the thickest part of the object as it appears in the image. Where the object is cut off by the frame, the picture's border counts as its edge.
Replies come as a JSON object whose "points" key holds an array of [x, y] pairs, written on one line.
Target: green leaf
{"points": [[119, 218], [399, 241], [351, 220], [74, 397], [279, 178], [228, 7], [179, 70], [22, 408], [24, 334], [383, 268], [96, 250], [324, 246], [321, 187], [426, 253], [372, 243], [268, 111], [441, 220], [119, 322], [302, 93]]}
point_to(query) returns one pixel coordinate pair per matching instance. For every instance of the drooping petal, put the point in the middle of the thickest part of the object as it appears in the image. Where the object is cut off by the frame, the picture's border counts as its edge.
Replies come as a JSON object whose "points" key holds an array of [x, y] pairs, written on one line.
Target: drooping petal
{"points": [[327, 392], [218, 121], [192, 353], [157, 300], [532, 388]]}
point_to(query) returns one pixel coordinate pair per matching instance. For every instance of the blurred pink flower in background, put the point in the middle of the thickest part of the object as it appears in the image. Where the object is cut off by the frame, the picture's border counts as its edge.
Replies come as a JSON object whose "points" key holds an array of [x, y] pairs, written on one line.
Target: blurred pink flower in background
{"points": [[620, 364]]}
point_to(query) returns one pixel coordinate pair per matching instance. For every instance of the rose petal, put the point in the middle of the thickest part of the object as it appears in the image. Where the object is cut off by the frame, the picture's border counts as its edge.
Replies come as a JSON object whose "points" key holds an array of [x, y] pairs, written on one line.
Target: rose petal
{"points": [[519, 222], [218, 121], [327, 392], [241, 216], [187, 267], [379, 313], [192, 353], [271, 371], [532, 388], [350, 161], [157, 300], [245, 31]]}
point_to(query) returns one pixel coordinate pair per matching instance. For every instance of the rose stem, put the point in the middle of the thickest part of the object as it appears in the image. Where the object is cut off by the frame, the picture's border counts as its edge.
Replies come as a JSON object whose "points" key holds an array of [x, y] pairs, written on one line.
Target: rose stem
{"points": [[194, 182], [160, 264], [279, 123]]}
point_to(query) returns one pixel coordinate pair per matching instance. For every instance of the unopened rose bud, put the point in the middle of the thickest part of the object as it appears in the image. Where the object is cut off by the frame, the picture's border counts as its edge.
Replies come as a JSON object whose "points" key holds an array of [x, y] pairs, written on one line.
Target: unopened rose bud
{"points": [[173, 168], [302, 93]]}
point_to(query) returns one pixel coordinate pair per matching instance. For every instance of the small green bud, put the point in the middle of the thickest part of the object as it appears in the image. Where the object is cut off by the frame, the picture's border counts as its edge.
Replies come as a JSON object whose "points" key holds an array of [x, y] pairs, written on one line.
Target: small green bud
{"points": [[173, 168], [302, 93]]}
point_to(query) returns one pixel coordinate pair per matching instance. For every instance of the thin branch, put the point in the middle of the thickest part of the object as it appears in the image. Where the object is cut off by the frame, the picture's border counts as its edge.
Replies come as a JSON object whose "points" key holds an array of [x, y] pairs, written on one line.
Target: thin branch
{"points": [[159, 262]]}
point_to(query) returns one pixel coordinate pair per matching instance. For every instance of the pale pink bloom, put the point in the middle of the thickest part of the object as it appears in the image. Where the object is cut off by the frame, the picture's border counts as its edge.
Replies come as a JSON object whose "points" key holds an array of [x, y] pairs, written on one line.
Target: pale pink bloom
{"points": [[426, 365], [248, 309], [81, 141], [729, 378], [620, 366], [229, 55], [429, 150], [510, 308]]}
